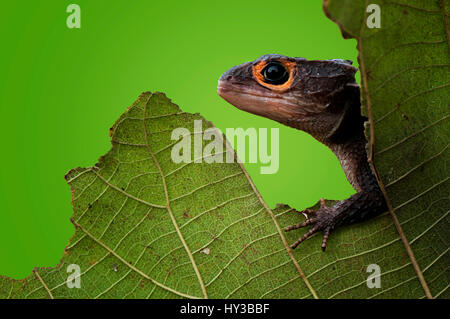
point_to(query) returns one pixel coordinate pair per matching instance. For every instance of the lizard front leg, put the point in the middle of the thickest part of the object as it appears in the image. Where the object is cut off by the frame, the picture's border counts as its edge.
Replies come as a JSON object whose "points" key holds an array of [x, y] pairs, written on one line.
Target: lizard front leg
{"points": [[359, 207]]}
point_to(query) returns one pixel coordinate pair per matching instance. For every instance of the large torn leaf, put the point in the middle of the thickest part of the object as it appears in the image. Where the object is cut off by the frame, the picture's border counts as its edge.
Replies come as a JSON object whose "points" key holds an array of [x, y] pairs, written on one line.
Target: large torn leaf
{"points": [[147, 227]]}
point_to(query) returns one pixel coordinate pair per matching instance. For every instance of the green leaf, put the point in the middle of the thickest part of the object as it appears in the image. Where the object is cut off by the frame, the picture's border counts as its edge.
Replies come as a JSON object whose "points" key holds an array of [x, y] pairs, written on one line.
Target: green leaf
{"points": [[147, 227], [404, 69]]}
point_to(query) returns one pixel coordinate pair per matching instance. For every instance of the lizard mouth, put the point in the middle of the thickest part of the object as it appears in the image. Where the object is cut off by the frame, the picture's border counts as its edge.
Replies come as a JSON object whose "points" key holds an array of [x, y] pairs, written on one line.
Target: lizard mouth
{"points": [[259, 101]]}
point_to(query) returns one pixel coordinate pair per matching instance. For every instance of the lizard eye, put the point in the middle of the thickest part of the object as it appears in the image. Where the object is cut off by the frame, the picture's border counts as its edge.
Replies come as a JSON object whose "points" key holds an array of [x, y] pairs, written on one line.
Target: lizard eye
{"points": [[275, 73]]}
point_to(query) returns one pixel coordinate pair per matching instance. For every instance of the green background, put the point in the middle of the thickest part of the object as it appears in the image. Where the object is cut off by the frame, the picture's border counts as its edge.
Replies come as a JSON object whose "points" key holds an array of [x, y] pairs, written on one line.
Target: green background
{"points": [[61, 90]]}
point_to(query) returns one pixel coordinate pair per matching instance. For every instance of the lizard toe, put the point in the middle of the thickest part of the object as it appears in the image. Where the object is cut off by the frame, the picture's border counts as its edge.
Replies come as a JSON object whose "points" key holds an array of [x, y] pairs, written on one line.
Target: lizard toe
{"points": [[326, 235], [308, 234], [300, 225]]}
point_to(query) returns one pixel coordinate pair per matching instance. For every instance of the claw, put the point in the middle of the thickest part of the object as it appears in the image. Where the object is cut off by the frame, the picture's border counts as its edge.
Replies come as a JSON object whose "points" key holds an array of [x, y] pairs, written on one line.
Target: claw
{"points": [[305, 212], [308, 234]]}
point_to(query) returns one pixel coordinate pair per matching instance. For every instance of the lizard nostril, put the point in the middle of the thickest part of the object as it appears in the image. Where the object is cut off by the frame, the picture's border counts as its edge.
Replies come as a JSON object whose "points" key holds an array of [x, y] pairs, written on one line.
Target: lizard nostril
{"points": [[226, 76]]}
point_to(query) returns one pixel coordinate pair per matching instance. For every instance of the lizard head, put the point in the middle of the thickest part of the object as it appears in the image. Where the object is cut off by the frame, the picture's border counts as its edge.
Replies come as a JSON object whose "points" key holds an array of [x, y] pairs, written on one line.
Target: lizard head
{"points": [[313, 96]]}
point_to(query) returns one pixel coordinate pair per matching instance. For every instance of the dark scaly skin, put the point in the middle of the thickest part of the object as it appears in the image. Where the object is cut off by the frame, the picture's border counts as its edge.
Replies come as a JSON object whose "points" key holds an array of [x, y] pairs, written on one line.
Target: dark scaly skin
{"points": [[322, 99]]}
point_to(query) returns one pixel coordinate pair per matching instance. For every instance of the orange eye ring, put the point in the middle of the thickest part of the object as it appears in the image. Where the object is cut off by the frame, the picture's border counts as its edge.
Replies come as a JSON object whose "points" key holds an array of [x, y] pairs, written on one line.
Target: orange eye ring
{"points": [[259, 77]]}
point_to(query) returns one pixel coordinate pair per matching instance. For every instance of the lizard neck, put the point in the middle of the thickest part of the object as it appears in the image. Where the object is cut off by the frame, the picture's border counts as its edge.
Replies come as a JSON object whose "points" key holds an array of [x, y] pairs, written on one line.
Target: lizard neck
{"points": [[348, 143], [353, 159]]}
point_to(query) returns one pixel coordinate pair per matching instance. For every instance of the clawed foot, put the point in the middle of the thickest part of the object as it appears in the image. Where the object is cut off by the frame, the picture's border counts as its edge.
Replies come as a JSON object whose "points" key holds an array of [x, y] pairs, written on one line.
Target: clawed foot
{"points": [[321, 220]]}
